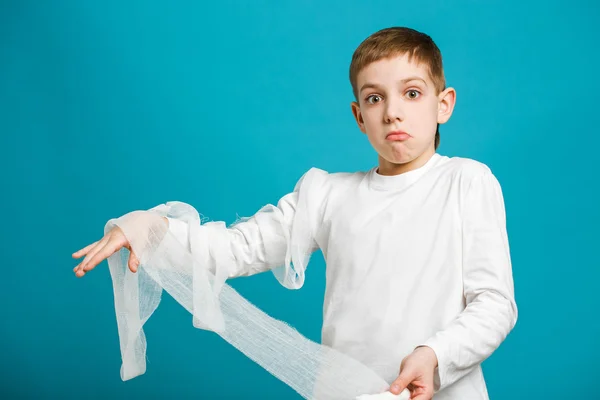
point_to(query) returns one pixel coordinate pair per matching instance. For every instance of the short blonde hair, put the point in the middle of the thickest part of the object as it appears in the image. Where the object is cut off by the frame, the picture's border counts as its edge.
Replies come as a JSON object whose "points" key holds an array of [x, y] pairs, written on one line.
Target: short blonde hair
{"points": [[395, 41]]}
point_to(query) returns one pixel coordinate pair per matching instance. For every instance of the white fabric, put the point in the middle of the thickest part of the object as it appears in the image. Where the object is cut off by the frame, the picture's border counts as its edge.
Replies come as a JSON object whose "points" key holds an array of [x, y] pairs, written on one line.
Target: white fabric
{"points": [[420, 258], [405, 395], [195, 277]]}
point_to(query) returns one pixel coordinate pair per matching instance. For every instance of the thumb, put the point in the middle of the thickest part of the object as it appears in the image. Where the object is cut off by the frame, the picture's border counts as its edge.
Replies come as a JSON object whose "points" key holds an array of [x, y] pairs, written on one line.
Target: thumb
{"points": [[133, 261], [401, 382]]}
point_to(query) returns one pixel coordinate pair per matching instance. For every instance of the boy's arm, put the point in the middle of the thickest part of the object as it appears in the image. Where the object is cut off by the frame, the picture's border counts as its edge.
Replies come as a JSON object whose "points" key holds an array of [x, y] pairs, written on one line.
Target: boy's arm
{"points": [[256, 244], [491, 311]]}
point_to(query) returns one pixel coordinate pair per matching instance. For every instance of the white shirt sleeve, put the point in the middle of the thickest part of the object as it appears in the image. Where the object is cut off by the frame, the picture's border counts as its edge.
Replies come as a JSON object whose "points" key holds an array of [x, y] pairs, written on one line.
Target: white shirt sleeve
{"points": [[491, 311], [256, 244]]}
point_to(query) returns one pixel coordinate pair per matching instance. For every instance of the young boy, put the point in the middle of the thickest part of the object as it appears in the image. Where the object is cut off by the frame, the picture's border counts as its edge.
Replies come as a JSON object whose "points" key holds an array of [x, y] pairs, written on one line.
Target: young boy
{"points": [[419, 284]]}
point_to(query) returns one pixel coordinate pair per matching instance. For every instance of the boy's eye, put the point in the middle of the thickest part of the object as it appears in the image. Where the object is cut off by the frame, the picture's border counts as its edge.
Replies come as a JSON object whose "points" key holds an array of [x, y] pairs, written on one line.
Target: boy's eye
{"points": [[413, 94], [374, 98]]}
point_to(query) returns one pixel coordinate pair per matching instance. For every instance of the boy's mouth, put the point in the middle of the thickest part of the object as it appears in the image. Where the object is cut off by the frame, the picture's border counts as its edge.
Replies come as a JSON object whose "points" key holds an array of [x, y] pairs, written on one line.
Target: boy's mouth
{"points": [[398, 135]]}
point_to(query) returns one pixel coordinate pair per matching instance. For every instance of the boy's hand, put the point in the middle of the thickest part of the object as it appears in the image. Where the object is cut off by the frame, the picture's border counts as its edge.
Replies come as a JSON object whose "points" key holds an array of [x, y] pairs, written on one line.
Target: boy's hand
{"points": [[416, 373], [98, 251]]}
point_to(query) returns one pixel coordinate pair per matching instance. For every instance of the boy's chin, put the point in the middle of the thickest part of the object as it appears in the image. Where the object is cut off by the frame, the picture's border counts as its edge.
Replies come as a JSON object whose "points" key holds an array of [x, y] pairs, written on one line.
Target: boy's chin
{"points": [[397, 159], [401, 154]]}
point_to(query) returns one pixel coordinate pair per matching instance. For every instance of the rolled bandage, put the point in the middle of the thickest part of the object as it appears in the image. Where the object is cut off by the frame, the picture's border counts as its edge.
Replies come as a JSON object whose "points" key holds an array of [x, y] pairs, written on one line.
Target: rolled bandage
{"points": [[404, 395]]}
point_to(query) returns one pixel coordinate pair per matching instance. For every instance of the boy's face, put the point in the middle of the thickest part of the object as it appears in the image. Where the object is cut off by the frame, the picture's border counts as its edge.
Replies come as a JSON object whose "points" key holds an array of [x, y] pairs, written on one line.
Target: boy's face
{"points": [[398, 109]]}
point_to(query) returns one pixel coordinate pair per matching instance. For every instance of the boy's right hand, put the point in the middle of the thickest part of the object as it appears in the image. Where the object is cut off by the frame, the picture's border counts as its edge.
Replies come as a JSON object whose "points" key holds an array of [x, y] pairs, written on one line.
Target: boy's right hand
{"points": [[98, 251]]}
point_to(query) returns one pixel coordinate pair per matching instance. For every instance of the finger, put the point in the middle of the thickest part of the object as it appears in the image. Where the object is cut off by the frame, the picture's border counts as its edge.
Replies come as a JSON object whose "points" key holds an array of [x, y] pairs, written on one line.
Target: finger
{"points": [[110, 243], [76, 267], [79, 272], [109, 249], [133, 262], [422, 396], [94, 251], [84, 251], [401, 382], [420, 392]]}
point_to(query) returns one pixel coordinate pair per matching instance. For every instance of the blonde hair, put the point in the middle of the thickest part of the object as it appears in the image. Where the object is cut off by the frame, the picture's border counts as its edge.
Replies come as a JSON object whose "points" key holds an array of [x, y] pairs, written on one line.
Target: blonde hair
{"points": [[395, 41]]}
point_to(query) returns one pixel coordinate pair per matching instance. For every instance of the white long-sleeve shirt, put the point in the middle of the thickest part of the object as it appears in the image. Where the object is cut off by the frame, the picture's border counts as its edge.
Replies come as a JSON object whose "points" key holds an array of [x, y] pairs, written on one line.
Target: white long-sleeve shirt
{"points": [[420, 258]]}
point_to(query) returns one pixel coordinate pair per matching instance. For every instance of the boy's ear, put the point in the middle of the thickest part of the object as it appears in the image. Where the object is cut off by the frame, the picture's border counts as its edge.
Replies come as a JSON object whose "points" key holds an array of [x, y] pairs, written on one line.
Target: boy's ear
{"points": [[446, 102], [358, 116]]}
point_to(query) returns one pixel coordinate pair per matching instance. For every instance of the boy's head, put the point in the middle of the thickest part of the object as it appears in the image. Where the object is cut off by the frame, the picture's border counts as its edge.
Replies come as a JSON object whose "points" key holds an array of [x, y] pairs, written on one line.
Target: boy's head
{"points": [[401, 97]]}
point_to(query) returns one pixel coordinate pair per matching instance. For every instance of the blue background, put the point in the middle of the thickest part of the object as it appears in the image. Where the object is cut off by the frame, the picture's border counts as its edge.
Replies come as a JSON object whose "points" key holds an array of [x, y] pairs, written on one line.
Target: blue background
{"points": [[107, 107]]}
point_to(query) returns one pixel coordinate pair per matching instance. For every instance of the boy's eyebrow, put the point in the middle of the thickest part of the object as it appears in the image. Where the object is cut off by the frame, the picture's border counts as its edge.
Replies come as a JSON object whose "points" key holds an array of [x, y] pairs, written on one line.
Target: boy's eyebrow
{"points": [[405, 80]]}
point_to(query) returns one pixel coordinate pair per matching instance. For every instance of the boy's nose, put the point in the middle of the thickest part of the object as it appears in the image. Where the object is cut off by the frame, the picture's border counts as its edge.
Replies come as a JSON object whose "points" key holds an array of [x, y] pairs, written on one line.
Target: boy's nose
{"points": [[393, 112]]}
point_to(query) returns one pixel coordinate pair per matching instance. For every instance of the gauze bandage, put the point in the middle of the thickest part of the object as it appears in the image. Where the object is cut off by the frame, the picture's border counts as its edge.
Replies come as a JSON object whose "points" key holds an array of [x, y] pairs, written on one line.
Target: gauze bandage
{"points": [[195, 278]]}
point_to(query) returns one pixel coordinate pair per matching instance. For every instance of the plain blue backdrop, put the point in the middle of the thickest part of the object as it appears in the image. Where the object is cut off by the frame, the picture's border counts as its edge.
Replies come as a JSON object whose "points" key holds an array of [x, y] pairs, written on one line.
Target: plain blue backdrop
{"points": [[108, 107]]}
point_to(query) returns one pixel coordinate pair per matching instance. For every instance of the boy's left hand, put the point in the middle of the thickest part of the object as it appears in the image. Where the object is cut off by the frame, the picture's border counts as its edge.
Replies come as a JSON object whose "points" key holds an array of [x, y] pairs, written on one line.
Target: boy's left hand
{"points": [[416, 374]]}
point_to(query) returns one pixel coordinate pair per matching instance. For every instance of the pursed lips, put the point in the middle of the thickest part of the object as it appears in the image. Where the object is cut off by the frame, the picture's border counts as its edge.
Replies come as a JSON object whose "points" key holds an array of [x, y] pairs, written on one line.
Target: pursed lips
{"points": [[398, 135]]}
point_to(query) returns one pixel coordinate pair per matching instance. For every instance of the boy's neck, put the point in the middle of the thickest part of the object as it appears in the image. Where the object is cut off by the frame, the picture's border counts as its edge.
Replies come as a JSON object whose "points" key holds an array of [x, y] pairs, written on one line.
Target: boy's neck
{"points": [[388, 169]]}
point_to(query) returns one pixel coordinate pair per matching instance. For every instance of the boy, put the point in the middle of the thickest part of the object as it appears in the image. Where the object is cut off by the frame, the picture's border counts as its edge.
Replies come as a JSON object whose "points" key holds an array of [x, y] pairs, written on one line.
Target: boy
{"points": [[419, 284]]}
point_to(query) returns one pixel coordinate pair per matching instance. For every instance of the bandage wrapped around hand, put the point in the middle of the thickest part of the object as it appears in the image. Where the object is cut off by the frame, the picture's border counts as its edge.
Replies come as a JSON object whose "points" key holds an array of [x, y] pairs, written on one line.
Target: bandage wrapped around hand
{"points": [[143, 229]]}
